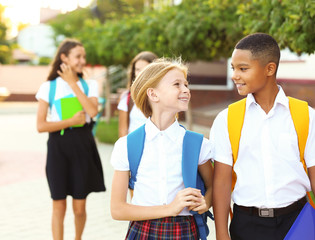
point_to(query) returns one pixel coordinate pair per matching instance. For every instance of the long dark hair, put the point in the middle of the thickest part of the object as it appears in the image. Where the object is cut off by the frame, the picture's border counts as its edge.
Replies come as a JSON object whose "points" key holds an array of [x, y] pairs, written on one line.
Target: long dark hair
{"points": [[64, 48], [146, 56]]}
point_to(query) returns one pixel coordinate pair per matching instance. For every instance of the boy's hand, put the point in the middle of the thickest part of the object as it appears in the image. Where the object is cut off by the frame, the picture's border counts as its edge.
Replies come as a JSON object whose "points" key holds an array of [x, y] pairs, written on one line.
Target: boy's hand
{"points": [[78, 118], [201, 207], [188, 197]]}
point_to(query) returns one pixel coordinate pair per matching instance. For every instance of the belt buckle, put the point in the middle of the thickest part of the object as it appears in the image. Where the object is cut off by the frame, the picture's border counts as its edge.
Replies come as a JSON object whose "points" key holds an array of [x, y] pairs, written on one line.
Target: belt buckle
{"points": [[266, 212]]}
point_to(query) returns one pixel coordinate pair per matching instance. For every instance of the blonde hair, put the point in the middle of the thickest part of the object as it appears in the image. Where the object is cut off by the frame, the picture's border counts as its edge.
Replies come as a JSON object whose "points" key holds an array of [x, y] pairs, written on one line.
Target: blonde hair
{"points": [[150, 77]]}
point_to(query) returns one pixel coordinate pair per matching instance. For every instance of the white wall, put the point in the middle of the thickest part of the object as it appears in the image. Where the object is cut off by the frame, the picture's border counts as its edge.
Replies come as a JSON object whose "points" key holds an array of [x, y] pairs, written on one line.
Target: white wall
{"points": [[23, 79], [293, 67]]}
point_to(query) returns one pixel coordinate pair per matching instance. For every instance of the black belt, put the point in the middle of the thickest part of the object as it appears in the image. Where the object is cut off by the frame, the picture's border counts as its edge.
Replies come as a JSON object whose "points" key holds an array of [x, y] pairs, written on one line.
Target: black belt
{"points": [[272, 212]]}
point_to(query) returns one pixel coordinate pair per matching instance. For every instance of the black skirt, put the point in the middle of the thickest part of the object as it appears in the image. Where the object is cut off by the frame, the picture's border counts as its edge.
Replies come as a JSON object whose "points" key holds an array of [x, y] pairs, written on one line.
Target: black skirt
{"points": [[73, 164]]}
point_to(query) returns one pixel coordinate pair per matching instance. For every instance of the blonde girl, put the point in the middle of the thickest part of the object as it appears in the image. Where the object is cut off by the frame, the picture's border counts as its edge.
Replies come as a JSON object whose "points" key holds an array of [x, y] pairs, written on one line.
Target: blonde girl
{"points": [[160, 205]]}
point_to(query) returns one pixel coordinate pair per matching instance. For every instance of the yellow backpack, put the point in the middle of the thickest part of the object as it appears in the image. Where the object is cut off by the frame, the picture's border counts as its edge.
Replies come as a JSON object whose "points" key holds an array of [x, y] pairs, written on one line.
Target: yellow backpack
{"points": [[299, 114]]}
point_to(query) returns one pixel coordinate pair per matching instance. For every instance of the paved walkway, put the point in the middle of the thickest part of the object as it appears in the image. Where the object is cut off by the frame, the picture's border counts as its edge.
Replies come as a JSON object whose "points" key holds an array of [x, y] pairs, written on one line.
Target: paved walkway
{"points": [[25, 204]]}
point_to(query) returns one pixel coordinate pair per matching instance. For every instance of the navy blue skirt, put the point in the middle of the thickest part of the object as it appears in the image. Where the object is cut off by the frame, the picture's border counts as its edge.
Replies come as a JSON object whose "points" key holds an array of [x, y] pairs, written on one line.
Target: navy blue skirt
{"points": [[73, 164]]}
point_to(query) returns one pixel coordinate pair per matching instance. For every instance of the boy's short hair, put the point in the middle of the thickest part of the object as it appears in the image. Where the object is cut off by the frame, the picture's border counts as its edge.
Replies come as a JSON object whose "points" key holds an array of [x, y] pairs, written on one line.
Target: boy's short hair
{"points": [[150, 77], [263, 47]]}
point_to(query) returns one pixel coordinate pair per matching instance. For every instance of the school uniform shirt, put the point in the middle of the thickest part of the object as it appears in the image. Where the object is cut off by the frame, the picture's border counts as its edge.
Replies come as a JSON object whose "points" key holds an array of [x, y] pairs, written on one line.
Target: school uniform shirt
{"points": [[136, 117], [159, 175], [62, 90], [268, 168]]}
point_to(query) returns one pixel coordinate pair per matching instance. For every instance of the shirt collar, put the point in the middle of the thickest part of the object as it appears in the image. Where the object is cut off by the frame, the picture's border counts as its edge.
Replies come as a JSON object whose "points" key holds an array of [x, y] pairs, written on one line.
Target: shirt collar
{"points": [[152, 131], [281, 98]]}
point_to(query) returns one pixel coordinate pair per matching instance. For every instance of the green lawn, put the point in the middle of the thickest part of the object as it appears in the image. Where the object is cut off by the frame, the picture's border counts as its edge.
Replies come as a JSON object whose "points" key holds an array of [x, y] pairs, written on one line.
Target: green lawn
{"points": [[107, 132]]}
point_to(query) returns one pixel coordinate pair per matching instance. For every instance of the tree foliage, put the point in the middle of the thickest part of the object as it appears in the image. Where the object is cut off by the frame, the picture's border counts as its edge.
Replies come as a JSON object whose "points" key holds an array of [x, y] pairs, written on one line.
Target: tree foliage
{"points": [[195, 29], [203, 34], [71, 23], [292, 23], [5, 50], [115, 9]]}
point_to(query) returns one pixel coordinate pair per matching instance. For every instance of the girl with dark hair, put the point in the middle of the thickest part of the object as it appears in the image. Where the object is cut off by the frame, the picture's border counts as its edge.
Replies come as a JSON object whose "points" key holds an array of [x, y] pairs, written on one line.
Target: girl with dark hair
{"points": [[73, 163]]}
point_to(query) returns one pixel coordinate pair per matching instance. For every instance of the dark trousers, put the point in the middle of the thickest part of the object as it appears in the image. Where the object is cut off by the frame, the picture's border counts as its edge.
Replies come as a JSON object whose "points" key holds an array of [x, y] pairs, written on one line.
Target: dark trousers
{"points": [[246, 226]]}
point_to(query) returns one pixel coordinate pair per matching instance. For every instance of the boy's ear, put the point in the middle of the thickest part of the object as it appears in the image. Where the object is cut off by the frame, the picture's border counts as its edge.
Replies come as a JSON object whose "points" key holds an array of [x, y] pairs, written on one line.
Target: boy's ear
{"points": [[152, 95], [271, 69]]}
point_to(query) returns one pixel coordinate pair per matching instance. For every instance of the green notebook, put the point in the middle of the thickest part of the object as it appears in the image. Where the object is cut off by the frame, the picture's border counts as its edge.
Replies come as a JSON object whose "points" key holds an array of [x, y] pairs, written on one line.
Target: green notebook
{"points": [[69, 107]]}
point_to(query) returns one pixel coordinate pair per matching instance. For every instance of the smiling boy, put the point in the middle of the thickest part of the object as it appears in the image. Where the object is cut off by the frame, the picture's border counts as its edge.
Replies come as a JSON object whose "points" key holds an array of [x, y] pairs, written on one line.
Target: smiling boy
{"points": [[269, 173]]}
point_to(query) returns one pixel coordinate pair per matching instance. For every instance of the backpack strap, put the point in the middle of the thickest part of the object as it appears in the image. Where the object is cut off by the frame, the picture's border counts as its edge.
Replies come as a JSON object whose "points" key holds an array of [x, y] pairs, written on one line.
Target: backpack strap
{"points": [[235, 120], [85, 86], [190, 158], [135, 145], [52, 92], [300, 115]]}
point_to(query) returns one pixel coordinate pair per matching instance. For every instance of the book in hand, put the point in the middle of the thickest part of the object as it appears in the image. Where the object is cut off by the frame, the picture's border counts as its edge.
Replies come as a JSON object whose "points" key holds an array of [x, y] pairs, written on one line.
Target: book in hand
{"points": [[69, 107]]}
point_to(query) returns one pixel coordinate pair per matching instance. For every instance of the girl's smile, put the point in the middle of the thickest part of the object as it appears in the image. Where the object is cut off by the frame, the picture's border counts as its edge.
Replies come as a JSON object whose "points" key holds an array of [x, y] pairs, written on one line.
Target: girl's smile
{"points": [[76, 59], [173, 92]]}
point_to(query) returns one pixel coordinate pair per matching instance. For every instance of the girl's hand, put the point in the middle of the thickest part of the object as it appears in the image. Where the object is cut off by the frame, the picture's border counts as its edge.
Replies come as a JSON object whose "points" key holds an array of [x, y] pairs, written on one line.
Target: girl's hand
{"points": [[67, 74], [188, 197], [78, 118], [201, 206]]}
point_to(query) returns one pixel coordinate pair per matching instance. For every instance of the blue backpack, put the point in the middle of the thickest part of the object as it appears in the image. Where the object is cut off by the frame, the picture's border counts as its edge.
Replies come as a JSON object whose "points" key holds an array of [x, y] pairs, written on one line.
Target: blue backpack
{"points": [[191, 150]]}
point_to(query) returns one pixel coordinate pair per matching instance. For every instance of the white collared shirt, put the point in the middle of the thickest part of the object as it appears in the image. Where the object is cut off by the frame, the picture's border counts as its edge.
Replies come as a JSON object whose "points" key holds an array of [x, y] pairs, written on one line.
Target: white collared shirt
{"points": [[159, 176], [268, 168], [62, 90]]}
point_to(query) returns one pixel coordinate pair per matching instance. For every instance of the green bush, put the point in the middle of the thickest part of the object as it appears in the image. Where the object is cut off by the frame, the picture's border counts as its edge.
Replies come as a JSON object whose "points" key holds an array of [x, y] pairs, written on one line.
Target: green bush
{"points": [[44, 61], [107, 132]]}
